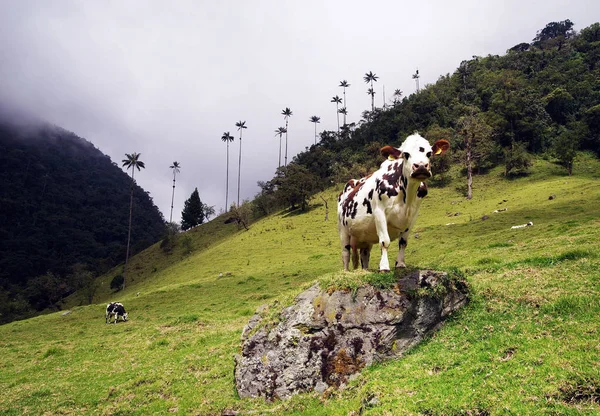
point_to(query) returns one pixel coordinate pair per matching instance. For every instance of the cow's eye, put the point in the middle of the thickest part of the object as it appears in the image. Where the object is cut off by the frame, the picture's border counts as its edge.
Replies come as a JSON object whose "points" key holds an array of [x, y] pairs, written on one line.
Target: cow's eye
{"points": [[406, 155], [428, 154]]}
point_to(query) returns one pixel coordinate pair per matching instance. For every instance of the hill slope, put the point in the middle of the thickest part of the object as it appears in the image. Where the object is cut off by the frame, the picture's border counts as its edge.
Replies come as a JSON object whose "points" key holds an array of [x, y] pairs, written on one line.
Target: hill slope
{"points": [[526, 344], [62, 202]]}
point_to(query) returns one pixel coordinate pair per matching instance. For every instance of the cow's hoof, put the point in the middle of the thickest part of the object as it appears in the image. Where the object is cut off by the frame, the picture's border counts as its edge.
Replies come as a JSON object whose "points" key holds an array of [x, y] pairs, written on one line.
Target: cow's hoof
{"points": [[401, 266], [384, 271]]}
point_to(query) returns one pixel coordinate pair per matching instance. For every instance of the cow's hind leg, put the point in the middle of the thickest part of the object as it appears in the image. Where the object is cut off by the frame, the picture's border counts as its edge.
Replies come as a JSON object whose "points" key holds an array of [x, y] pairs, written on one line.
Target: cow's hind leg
{"points": [[365, 256], [345, 240]]}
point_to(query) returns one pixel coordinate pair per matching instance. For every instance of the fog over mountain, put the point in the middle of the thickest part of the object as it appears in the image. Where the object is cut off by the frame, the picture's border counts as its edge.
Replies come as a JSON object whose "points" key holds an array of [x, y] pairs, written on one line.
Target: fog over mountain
{"points": [[167, 79]]}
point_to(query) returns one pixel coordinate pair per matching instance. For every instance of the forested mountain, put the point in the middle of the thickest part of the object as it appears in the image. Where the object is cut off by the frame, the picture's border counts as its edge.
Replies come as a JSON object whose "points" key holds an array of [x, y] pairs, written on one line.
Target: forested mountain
{"points": [[62, 203], [541, 97]]}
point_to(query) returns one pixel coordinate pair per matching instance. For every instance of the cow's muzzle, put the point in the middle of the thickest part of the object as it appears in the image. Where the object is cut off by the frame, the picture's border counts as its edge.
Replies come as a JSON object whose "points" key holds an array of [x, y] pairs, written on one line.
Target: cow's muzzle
{"points": [[420, 172]]}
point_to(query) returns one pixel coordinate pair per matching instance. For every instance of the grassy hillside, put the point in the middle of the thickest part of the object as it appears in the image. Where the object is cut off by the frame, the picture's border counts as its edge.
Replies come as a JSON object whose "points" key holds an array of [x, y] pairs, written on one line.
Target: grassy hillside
{"points": [[526, 344]]}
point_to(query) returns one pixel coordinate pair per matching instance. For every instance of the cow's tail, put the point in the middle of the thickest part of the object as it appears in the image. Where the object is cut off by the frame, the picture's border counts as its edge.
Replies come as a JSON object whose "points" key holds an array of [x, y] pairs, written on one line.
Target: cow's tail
{"points": [[354, 258]]}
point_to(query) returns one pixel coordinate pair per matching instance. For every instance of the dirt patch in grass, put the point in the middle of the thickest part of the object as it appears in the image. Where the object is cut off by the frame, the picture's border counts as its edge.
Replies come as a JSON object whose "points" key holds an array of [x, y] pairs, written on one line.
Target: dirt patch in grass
{"points": [[580, 390]]}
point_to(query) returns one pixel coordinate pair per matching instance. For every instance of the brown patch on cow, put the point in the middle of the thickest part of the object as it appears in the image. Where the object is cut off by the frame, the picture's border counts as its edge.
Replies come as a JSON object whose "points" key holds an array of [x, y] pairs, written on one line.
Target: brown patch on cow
{"points": [[422, 191]]}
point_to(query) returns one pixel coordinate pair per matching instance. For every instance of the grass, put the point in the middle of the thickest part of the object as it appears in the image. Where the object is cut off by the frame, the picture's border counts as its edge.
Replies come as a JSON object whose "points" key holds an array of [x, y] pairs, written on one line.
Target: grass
{"points": [[527, 343]]}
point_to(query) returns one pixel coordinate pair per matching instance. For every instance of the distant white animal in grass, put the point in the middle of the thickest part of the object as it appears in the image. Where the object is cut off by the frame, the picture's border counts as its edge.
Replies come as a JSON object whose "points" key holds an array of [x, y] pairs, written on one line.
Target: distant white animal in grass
{"points": [[529, 224]]}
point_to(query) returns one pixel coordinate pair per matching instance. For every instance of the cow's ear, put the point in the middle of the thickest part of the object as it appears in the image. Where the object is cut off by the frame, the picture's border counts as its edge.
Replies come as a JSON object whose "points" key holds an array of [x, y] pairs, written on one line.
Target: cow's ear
{"points": [[440, 147], [390, 152]]}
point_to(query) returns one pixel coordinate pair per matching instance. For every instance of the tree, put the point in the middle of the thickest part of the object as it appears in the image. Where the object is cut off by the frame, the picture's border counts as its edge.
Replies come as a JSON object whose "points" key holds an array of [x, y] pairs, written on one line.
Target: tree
{"points": [[397, 96], [344, 84], [344, 112], [286, 113], [193, 212], [372, 93], [209, 211], [295, 184], [280, 131], [567, 142], [337, 100], [227, 138], [370, 77], [316, 120], [556, 31], [416, 77], [476, 133], [175, 167], [132, 161], [241, 125], [516, 159], [83, 280]]}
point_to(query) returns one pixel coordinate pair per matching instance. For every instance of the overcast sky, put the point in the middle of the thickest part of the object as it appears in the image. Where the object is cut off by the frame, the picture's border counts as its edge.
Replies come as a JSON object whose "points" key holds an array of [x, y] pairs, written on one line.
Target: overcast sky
{"points": [[167, 78]]}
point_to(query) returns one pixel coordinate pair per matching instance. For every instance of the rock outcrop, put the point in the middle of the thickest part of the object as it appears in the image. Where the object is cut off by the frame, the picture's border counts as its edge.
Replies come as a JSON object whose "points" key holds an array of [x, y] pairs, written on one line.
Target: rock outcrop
{"points": [[327, 336]]}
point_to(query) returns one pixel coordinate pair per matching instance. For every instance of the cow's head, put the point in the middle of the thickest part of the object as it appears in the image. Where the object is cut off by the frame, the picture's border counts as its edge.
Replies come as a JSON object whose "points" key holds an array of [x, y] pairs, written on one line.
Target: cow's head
{"points": [[125, 316], [416, 152]]}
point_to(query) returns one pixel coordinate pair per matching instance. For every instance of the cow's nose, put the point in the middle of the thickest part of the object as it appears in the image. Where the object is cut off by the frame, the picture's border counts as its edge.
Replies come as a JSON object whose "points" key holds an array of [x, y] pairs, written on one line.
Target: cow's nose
{"points": [[417, 166]]}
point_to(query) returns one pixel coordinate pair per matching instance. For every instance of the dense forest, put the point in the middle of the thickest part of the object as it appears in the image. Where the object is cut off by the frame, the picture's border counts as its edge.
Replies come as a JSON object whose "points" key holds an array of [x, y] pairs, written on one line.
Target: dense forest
{"points": [[540, 98], [64, 211]]}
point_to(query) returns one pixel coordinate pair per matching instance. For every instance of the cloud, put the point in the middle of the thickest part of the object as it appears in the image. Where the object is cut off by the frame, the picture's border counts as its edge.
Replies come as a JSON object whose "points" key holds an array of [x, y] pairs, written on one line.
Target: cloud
{"points": [[167, 79]]}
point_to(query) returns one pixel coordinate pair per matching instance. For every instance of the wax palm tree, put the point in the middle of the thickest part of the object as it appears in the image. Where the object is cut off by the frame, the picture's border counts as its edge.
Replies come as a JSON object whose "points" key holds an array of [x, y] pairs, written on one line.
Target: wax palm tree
{"points": [[287, 113], [370, 77], [397, 96], [175, 167], [227, 138], [372, 93], [280, 132], [132, 161], [416, 77], [315, 119], [241, 125], [337, 100], [344, 84]]}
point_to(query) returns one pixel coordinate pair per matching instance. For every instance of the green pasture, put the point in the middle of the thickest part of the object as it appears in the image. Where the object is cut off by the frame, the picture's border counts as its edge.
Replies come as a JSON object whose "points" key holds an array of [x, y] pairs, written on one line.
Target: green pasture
{"points": [[527, 343]]}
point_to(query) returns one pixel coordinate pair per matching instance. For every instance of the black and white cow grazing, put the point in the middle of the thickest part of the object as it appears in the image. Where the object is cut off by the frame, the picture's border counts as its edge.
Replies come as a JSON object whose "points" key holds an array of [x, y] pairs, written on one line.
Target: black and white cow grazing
{"points": [[383, 206], [117, 310]]}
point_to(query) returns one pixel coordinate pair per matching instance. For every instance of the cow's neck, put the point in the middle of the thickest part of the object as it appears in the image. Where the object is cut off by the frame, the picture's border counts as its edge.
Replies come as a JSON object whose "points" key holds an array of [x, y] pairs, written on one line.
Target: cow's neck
{"points": [[411, 191]]}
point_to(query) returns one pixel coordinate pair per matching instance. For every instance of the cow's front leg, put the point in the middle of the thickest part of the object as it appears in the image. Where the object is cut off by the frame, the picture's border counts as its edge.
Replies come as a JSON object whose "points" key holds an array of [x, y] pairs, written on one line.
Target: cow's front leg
{"points": [[384, 239], [116, 317], [402, 242]]}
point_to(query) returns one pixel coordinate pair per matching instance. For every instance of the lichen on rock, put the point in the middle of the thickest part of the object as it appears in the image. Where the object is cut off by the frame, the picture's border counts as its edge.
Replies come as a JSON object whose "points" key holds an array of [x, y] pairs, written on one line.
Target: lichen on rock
{"points": [[326, 336]]}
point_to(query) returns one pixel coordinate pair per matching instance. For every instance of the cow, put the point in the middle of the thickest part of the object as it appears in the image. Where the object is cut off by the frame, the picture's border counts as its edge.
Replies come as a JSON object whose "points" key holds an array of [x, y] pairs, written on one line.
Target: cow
{"points": [[117, 310], [383, 206]]}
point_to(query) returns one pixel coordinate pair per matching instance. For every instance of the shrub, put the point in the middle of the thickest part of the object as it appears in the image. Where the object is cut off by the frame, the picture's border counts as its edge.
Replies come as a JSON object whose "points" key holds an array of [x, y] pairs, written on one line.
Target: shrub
{"points": [[117, 282]]}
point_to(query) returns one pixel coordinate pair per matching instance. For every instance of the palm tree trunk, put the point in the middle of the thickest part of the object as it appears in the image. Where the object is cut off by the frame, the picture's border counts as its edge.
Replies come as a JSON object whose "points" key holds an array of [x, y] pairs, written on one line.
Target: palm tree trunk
{"points": [[279, 152], [239, 169], [337, 110], [286, 141], [129, 232], [345, 105], [315, 134], [172, 198], [227, 181], [372, 98]]}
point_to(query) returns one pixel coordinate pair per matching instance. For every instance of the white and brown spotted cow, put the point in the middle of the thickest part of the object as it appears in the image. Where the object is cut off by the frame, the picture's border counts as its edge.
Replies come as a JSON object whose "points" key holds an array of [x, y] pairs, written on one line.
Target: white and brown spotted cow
{"points": [[383, 206]]}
